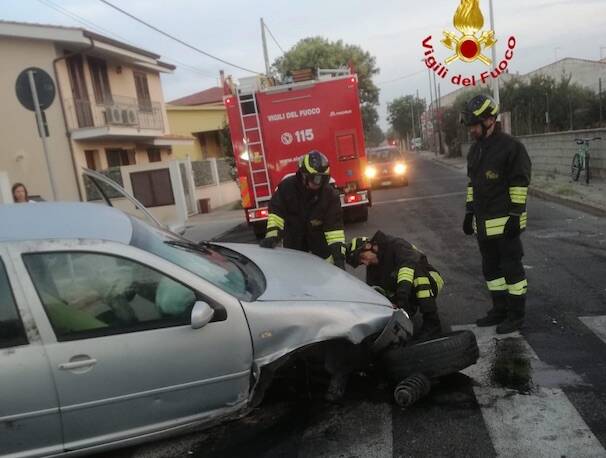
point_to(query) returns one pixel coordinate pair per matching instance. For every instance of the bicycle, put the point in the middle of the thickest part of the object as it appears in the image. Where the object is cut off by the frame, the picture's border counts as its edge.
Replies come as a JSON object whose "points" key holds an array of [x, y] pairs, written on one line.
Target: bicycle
{"points": [[580, 161]]}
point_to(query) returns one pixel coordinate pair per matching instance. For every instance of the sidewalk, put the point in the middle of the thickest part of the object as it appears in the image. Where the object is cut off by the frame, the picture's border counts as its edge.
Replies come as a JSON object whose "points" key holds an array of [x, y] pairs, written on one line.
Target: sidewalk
{"points": [[555, 188], [208, 226]]}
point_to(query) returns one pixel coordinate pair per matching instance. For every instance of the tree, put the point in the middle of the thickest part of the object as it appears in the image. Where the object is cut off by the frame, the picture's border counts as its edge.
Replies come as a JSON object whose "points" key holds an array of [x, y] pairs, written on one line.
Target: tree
{"points": [[400, 115], [375, 137], [318, 52]]}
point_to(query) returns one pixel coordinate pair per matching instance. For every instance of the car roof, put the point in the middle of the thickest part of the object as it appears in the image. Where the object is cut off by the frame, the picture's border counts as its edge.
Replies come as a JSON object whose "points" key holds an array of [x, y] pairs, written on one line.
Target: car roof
{"points": [[43, 221]]}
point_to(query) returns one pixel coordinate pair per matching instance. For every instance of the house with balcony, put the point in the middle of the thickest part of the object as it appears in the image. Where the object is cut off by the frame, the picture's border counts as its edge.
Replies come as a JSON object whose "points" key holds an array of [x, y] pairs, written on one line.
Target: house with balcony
{"points": [[108, 112]]}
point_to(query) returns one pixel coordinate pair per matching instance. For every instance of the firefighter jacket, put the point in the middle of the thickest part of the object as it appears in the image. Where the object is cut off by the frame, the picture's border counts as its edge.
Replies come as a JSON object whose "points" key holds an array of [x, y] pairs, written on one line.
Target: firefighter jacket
{"points": [[308, 221], [499, 172], [403, 272]]}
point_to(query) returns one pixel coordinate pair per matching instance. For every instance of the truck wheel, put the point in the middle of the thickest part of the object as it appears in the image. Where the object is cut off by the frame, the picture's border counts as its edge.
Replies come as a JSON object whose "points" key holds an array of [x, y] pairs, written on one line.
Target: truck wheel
{"points": [[259, 227], [434, 358]]}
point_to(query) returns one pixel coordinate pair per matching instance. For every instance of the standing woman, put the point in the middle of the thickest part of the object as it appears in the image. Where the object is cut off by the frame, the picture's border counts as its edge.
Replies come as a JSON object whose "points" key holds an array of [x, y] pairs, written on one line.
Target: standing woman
{"points": [[20, 195]]}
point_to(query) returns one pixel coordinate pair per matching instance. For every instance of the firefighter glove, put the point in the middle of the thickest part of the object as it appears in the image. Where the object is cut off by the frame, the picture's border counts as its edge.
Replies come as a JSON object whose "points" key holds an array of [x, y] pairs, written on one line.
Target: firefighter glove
{"points": [[512, 228], [269, 242], [468, 224]]}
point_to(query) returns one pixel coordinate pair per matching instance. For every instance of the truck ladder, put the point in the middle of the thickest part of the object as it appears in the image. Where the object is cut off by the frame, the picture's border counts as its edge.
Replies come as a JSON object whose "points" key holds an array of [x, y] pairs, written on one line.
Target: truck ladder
{"points": [[257, 165]]}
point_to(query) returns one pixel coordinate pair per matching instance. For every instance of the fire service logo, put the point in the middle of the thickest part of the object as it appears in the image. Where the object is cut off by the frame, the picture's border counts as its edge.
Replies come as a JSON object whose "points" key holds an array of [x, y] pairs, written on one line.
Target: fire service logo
{"points": [[468, 46]]}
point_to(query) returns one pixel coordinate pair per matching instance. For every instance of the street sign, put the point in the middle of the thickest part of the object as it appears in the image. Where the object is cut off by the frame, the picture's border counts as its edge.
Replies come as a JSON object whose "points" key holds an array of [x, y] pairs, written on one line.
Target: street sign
{"points": [[45, 87]]}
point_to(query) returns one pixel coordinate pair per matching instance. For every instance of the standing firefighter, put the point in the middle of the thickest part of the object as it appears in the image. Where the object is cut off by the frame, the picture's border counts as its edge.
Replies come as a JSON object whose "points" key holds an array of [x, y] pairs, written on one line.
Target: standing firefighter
{"points": [[305, 212], [402, 273], [499, 169]]}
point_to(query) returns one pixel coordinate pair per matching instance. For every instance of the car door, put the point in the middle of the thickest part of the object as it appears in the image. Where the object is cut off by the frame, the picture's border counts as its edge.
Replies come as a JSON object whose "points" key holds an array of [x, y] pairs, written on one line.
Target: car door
{"points": [[124, 355], [30, 424]]}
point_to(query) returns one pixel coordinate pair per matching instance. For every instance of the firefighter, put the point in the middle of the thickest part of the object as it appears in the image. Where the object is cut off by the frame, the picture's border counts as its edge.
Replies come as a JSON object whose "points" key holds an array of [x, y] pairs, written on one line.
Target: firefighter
{"points": [[305, 212], [499, 172], [399, 271]]}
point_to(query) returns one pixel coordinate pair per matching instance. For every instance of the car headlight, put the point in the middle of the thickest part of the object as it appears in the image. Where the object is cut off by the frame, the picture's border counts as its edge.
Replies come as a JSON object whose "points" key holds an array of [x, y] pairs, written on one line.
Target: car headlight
{"points": [[370, 172], [400, 169]]}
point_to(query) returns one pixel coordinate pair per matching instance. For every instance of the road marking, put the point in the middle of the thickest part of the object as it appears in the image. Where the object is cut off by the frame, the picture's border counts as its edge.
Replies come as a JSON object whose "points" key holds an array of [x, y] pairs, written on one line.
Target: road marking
{"points": [[412, 199], [597, 324], [541, 423], [363, 429]]}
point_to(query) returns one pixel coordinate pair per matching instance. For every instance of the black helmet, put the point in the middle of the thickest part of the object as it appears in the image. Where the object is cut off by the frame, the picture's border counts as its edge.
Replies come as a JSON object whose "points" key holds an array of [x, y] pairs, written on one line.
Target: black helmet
{"points": [[354, 248], [478, 109], [314, 167]]}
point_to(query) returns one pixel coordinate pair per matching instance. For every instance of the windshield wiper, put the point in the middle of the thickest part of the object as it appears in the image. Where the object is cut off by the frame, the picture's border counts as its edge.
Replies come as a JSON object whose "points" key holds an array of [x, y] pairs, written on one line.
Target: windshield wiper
{"points": [[190, 246]]}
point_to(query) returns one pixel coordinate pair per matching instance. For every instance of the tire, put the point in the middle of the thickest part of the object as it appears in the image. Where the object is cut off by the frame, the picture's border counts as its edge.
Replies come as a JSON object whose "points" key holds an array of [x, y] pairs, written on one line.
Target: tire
{"points": [[587, 169], [575, 168], [433, 358], [357, 214]]}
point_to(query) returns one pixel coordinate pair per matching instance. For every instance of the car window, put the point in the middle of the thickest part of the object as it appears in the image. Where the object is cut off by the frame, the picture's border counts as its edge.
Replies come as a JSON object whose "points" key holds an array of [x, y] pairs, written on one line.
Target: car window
{"points": [[12, 332], [91, 294]]}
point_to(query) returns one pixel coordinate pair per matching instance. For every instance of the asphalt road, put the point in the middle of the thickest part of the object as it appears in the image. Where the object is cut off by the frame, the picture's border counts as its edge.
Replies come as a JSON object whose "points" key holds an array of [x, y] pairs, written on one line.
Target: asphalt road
{"points": [[538, 393]]}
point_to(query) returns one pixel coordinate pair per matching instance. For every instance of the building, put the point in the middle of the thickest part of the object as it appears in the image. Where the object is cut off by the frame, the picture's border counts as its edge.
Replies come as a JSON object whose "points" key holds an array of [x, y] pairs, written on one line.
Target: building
{"points": [[109, 108], [201, 115]]}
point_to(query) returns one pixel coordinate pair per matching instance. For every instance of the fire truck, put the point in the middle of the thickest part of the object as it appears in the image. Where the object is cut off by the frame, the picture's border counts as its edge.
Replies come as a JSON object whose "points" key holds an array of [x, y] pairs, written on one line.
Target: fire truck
{"points": [[272, 125]]}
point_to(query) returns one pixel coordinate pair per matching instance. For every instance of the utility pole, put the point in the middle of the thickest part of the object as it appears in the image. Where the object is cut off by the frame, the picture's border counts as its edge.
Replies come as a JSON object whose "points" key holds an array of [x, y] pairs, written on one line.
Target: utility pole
{"points": [[495, 81], [547, 111], [265, 54], [412, 113], [433, 128], [436, 114], [600, 88]]}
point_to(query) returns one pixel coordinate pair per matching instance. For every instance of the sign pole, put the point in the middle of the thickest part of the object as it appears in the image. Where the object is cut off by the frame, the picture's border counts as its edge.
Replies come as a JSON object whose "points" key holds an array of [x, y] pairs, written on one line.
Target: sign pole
{"points": [[41, 130]]}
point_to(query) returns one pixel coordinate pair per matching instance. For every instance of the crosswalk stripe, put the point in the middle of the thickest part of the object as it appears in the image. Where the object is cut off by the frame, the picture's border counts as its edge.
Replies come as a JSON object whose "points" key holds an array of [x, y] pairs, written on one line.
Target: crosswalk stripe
{"points": [[597, 324], [542, 423], [364, 430]]}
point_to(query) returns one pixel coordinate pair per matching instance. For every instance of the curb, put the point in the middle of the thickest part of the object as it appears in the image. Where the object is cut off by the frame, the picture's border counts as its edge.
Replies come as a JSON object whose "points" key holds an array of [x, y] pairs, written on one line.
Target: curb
{"points": [[587, 208]]}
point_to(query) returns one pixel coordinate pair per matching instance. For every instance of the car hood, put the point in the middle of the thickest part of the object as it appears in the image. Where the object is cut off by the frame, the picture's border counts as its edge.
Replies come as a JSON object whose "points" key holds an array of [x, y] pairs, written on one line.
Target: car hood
{"points": [[296, 276]]}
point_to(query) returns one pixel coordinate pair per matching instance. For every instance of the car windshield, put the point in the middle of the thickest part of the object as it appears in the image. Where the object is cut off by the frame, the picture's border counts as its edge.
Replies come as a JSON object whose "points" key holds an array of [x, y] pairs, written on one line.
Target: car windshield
{"points": [[383, 155], [224, 268]]}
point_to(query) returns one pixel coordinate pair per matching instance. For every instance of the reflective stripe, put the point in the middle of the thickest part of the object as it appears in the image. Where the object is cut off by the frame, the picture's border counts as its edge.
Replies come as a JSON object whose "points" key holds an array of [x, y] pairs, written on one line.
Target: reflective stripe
{"points": [[496, 226], [406, 274], [421, 281], [358, 242], [518, 289], [330, 259], [518, 195], [469, 194], [523, 220], [497, 285], [424, 294], [495, 110], [335, 236], [274, 220], [343, 250], [308, 166], [438, 279], [273, 233], [481, 110]]}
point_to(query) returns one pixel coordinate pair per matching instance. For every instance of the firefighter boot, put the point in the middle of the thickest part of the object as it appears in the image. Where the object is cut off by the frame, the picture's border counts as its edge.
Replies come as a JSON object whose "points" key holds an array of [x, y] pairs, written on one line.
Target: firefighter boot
{"points": [[431, 327], [516, 306], [497, 314]]}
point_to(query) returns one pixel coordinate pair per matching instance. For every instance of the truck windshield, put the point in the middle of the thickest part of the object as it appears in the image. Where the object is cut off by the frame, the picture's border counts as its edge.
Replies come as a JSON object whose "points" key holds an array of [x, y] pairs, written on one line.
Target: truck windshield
{"points": [[232, 272]]}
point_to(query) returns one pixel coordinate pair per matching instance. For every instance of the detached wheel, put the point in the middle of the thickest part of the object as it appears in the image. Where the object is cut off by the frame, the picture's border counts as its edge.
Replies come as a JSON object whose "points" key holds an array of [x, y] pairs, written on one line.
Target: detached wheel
{"points": [[433, 358], [575, 168]]}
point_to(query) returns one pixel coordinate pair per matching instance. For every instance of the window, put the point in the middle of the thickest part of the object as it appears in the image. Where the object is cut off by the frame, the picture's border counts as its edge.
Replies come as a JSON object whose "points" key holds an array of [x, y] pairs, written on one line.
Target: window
{"points": [[120, 157], [346, 147], [91, 159], [98, 70], [12, 333], [142, 91], [91, 294], [154, 155], [153, 188]]}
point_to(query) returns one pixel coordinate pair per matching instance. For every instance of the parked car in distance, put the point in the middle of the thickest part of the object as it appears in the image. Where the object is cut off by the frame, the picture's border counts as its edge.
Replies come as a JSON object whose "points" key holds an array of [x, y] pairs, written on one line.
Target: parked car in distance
{"points": [[386, 167]]}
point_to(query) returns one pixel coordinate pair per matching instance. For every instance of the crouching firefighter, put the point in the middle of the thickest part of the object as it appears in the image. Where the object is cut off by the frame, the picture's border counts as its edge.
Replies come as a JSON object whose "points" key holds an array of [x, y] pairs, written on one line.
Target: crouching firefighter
{"points": [[305, 212], [499, 172], [401, 272]]}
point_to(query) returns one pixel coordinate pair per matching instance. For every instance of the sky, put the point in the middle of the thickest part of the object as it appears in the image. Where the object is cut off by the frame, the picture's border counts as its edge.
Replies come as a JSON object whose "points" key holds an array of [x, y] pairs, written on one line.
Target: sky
{"points": [[390, 30]]}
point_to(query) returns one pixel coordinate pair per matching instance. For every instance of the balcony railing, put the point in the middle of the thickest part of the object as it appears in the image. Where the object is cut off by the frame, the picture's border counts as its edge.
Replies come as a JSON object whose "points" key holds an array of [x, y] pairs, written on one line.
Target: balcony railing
{"points": [[118, 112]]}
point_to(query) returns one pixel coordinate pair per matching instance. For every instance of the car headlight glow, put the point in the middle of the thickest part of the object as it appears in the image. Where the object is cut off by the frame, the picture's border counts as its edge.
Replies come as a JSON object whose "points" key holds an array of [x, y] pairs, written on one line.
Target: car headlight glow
{"points": [[400, 169], [370, 171]]}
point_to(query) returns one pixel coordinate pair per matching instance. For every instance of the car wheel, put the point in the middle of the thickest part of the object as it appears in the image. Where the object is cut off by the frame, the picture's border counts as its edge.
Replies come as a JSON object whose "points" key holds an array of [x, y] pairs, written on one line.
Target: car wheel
{"points": [[433, 358]]}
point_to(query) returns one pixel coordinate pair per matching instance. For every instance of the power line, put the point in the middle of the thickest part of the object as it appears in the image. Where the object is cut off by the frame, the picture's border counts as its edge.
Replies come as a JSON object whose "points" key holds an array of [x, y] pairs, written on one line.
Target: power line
{"points": [[92, 25], [401, 78], [274, 38], [178, 40]]}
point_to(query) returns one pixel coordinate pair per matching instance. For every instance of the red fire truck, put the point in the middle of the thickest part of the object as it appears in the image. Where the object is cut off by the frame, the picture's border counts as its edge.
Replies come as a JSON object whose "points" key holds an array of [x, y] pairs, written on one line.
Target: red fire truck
{"points": [[273, 125]]}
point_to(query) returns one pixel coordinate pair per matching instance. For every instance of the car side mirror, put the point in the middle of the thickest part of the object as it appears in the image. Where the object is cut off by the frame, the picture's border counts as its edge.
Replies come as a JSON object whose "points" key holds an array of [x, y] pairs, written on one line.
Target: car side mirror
{"points": [[201, 315]]}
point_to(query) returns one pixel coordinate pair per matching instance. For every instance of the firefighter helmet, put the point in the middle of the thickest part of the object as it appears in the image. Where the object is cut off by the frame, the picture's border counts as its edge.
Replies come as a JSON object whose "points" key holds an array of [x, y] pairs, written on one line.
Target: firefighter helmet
{"points": [[314, 167], [354, 249], [478, 109]]}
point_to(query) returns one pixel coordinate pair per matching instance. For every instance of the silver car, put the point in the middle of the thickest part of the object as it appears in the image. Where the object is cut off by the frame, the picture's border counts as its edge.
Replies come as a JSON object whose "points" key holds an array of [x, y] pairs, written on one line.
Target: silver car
{"points": [[114, 332]]}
